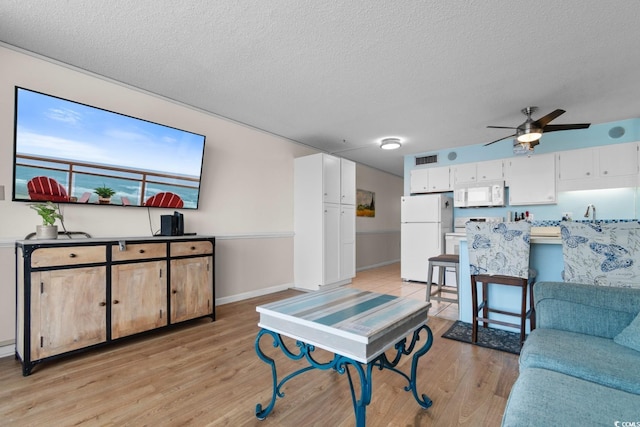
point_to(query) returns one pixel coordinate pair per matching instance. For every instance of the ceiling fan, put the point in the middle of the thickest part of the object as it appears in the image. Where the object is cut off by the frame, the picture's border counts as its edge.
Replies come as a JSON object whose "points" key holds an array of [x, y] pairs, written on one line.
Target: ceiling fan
{"points": [[528, 133]]}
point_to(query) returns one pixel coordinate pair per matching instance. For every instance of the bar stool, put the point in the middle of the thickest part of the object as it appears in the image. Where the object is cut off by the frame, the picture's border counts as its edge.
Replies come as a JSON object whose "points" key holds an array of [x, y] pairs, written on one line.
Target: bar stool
{"points": [[499, 255], [442, 262]]}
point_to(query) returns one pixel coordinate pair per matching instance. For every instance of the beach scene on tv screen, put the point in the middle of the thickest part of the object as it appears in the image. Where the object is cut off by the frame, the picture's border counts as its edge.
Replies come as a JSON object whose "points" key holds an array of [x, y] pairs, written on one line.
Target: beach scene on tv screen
{"points": [[69, 152]]}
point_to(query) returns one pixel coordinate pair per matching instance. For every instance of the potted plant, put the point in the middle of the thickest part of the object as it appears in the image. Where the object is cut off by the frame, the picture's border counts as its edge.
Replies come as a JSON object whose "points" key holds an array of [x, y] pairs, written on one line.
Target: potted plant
{"points": [[104, 194], [49, 213]]}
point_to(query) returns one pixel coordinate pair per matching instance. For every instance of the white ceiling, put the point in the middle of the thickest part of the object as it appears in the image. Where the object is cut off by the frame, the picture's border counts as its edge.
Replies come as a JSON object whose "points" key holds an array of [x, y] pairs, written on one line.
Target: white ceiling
{"points": [[340, 75]]}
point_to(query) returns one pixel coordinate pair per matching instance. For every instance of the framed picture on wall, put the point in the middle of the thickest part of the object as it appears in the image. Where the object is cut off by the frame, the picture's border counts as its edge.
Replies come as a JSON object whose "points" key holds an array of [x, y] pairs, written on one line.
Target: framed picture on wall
{"points": [[366, 203]]}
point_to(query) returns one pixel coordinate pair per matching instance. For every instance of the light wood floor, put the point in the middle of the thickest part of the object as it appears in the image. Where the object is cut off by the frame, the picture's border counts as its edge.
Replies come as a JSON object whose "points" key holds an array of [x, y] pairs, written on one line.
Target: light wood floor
{"points": [[208, 374]]}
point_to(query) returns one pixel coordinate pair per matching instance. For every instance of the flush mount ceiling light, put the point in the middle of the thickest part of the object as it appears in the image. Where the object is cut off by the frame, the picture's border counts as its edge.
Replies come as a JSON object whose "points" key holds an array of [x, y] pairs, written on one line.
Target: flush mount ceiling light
{"points": [[390, 144]]}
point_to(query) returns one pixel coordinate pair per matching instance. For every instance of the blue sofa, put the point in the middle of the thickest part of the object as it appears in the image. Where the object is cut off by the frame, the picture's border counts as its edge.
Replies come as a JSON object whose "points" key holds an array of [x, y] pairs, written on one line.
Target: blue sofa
{"points": [[581, 365]]}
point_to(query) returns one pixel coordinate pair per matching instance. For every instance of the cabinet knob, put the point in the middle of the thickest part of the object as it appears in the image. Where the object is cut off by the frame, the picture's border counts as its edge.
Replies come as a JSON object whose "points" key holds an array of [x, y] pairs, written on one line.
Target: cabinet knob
{"points": [[102, 304], [193, 248], [588, 173], [141, 251], [72, 255], [174, 291], [605, 172], [115, 301]]}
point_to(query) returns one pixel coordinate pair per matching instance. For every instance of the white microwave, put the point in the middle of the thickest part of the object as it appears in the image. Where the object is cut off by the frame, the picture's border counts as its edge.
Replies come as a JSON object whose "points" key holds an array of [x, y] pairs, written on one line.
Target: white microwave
{"points": [[481, 194]]}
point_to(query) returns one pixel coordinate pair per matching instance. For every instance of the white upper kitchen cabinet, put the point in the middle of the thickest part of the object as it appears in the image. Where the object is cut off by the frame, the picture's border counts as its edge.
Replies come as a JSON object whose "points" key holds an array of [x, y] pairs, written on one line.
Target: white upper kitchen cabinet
{"points": [[618, 160], [532, 180], [430, 180], [609, 166], [439, 179], [465, 173], [575, 165], [419, 181], [492, 170]]}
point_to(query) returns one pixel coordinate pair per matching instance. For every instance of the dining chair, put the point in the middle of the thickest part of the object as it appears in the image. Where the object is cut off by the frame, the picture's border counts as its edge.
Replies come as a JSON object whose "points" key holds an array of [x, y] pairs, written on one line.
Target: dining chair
{"points": [[499, 255]]}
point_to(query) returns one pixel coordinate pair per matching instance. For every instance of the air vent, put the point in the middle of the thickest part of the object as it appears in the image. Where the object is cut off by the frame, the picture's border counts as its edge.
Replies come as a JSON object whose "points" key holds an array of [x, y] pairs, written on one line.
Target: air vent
{"points": [[426, 160]]}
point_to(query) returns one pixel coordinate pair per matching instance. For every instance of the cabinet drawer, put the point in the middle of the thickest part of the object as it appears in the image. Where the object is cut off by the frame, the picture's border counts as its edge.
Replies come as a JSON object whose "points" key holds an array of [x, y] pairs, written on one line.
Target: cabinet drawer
{"points": [[139, 251], [48, 257], [191, 248]]}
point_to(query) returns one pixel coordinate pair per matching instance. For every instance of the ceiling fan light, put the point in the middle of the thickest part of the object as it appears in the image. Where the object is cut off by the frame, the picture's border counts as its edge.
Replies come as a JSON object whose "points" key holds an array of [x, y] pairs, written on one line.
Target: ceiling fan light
{"points": [[529, 137], [390, 144], [528, 132]]}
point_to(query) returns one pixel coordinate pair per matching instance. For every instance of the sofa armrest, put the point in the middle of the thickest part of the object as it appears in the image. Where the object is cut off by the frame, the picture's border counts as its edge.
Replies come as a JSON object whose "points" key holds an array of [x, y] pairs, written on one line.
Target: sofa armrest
{"points": [[588, 309]]}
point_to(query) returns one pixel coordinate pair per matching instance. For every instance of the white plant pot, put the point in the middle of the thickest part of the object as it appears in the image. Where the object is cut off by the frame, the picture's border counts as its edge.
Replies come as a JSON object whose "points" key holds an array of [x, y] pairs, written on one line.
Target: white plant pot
{"points": [[46, 232]]}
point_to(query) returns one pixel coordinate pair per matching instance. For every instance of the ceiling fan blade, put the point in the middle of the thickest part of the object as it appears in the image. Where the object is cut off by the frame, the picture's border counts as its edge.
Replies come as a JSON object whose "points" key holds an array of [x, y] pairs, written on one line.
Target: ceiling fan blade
{"points": [[504, 137], [553, 128], [501, 127], [542, 121]]}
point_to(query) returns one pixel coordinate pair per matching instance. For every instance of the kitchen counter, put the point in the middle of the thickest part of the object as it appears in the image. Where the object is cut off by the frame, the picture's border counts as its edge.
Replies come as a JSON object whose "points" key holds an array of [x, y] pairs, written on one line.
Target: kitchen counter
{"points": [[539, 235]]}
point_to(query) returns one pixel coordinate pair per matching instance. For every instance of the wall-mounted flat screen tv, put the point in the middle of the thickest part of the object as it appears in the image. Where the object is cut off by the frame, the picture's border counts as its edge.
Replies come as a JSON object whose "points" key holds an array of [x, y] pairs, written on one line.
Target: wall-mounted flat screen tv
{"points": [[68, 152]]}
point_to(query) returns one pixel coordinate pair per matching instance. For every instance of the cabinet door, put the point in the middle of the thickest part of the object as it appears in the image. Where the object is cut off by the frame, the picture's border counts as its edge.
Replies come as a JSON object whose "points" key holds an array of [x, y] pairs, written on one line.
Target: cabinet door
{"points": [[347, 242], [465, 173], [68, 310], [532, 180], [191, 288], [492, 170], [331, 249], [439, 179], [331, 178], [419, 181], [348, 182], [576, 165], [138, 297], [618, 160]]}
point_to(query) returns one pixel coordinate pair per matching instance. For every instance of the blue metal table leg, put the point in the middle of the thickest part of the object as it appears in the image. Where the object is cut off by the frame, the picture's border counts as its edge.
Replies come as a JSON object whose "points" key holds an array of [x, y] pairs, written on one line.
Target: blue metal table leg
{"points": [[359, 405], [341, 365], [424, 400]]}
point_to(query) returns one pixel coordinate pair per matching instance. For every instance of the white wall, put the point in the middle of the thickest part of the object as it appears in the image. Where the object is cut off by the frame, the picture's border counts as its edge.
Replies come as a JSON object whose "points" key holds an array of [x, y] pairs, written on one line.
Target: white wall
{"points": [[246, 196], [378, 238]]}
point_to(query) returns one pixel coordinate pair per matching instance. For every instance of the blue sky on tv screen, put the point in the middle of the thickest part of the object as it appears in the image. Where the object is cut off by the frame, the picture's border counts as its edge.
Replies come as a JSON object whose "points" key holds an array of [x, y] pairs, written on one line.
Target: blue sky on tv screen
{"points": [[53, 127]]}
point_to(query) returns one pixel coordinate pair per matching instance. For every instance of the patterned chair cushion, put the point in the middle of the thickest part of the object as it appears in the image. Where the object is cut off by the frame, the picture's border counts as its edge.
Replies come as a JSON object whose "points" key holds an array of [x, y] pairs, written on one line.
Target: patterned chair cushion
{"points": [[499, 248], [602, 254]]}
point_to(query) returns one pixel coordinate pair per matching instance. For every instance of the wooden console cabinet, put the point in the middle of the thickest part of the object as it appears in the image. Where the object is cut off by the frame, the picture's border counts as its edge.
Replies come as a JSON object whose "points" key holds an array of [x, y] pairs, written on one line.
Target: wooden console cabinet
{"points": [[76, 294]]}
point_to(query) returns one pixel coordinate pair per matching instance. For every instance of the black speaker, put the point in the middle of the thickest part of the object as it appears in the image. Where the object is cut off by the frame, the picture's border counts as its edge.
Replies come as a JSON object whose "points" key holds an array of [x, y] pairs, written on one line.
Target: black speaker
{"points": [[172, 225], [167, 227]]}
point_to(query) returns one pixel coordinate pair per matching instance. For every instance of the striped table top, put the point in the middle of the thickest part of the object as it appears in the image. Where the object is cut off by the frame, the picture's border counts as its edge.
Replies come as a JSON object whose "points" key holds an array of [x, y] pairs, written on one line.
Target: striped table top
{"points": [[350, 322]]}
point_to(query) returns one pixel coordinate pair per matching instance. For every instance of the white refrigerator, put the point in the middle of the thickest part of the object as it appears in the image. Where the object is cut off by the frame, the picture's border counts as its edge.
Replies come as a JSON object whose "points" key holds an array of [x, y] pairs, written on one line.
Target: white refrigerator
{"points": [[424, 222]]}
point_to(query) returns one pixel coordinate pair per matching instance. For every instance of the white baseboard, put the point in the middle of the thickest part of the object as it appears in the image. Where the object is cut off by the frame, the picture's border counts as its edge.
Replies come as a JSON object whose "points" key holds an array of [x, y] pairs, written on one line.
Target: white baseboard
{"points": [[7, 350], [253, 294]]}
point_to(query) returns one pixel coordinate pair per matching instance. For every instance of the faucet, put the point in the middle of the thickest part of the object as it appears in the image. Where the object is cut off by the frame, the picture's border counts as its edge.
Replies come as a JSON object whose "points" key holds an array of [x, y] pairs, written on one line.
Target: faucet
{"points": [[593, 209]]}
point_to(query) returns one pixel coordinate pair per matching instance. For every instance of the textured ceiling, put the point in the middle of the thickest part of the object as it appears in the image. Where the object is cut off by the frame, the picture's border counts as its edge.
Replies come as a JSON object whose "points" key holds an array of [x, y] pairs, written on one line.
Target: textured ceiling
{"points": [[340, 75]]}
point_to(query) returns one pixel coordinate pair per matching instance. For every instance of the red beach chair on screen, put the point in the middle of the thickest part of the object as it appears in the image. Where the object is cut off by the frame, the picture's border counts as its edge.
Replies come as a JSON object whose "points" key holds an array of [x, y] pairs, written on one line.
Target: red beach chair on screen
{"points": [[164, 200], [44, 188]]}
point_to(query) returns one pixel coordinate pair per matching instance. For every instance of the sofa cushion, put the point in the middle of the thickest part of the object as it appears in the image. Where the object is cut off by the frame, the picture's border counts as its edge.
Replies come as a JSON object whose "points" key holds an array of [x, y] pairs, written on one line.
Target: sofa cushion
{"points": [[593, 310], [545, 398], [595, 359], [630, 336]]}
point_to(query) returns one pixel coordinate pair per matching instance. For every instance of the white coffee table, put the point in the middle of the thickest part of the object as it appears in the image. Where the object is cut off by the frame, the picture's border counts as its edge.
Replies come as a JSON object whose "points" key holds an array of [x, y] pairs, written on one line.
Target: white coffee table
{"points": [[358, 327]]}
